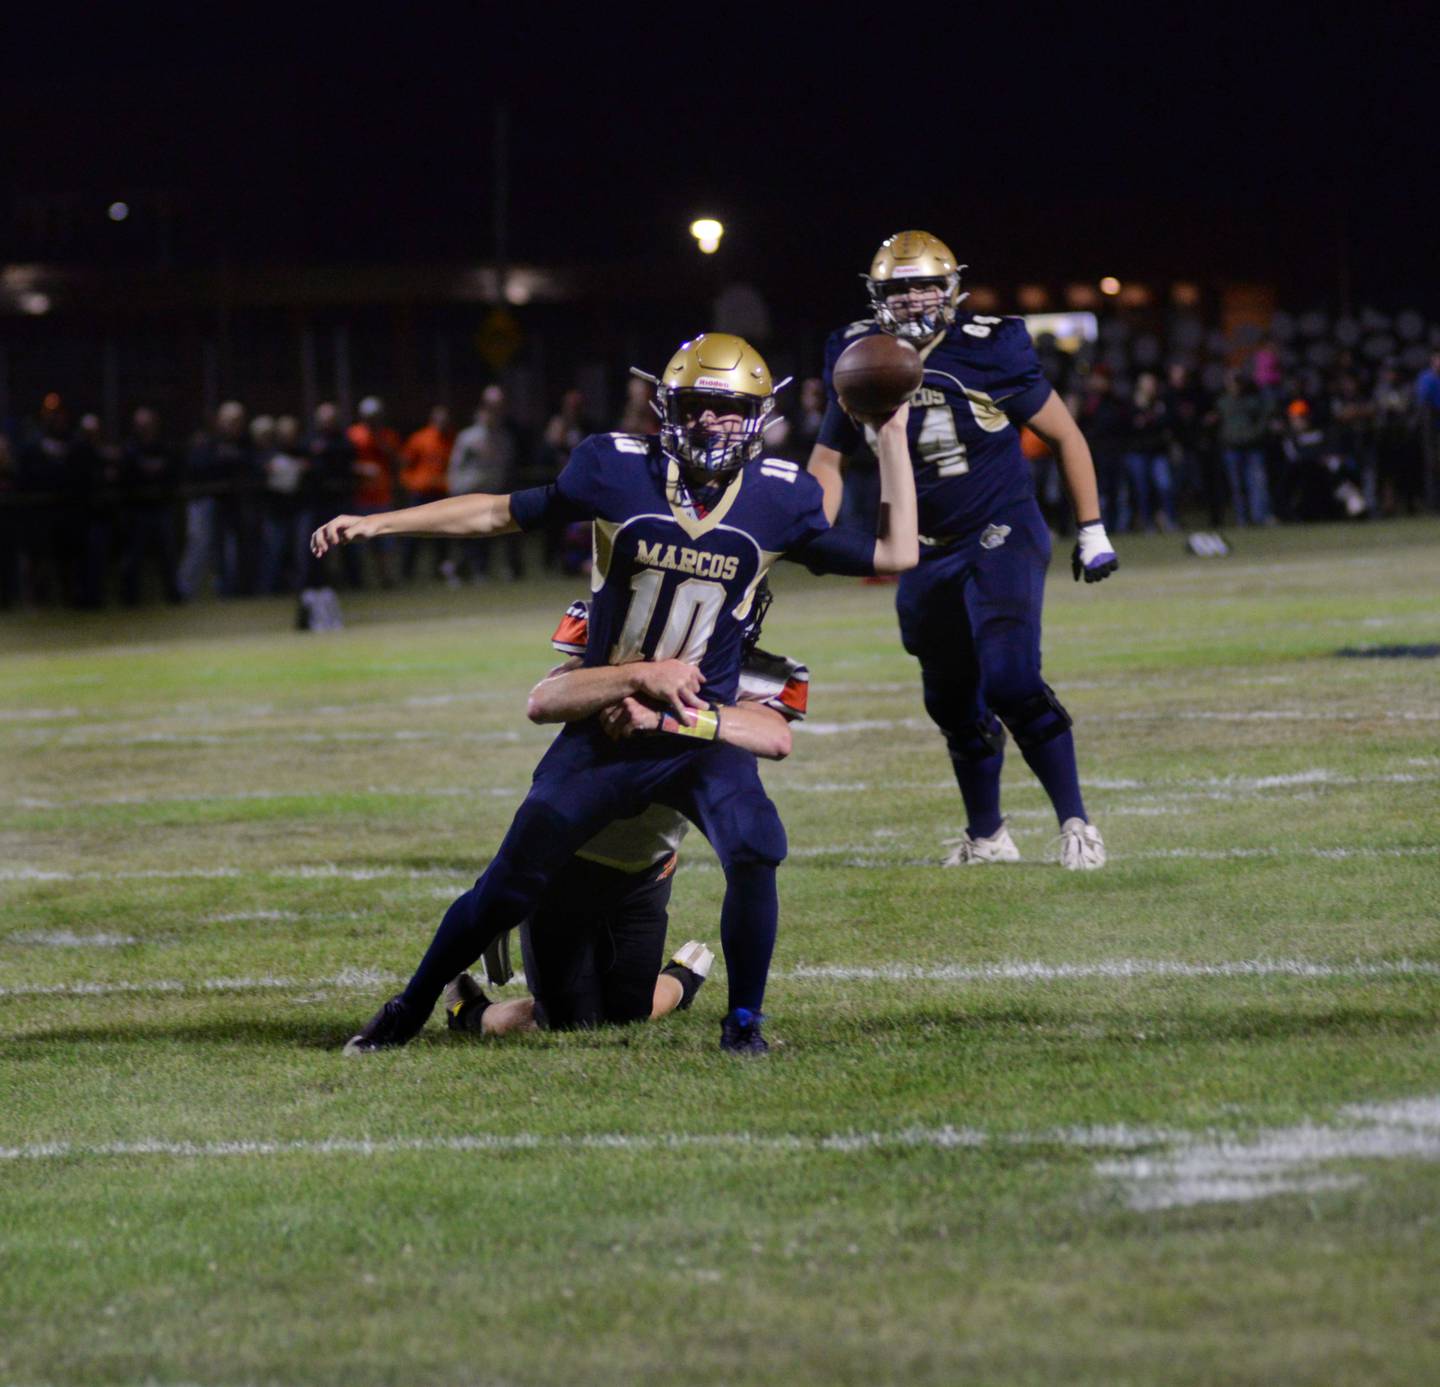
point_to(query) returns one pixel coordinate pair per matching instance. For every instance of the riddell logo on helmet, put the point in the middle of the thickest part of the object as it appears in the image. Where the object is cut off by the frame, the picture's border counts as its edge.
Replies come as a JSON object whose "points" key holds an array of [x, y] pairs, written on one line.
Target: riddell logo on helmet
{"points": [[711, 383], [907, 271]]}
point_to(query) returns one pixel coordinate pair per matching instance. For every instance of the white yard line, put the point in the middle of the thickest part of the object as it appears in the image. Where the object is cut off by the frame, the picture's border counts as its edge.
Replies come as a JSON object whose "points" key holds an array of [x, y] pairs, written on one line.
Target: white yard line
{"points": [[69, 939], [863, 855], [845, 1143], [349, 980], [1015, 970], [1286, 1160], [1225, 788], [1026, 971], [1154, 1169]]}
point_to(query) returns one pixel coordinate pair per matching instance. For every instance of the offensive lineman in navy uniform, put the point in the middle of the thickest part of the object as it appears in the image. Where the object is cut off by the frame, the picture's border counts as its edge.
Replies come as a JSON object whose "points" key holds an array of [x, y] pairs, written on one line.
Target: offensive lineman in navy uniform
{"points": [[970, 612], [686, 526]]}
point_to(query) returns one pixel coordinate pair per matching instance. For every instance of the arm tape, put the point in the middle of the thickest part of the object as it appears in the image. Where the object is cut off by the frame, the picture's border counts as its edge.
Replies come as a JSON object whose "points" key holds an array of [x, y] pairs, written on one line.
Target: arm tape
{"points": [[706, 726]]}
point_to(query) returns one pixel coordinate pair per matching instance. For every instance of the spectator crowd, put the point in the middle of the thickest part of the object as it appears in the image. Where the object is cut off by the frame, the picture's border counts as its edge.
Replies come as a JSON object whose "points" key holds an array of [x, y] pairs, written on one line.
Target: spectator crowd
{"points": [[1274, 436], [85, 520], [1258, 445]]}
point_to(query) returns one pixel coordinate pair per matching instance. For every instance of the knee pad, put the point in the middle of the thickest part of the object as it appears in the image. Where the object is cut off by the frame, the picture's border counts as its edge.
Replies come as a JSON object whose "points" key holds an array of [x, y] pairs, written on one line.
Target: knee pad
{"points": [[976, 741], [1035, 720], [752, 833]]}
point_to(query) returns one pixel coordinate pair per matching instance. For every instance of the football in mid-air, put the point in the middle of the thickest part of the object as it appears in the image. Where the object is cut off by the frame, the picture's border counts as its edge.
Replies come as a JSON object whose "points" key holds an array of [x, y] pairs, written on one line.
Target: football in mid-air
{"points": [[876, 375]]}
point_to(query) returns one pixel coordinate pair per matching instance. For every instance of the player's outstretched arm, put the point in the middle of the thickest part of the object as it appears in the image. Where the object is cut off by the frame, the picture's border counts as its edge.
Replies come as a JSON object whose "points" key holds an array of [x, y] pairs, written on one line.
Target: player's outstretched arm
{"points": [[826, 465], [1094, 556], [456, 517], [897, 544], [572, 694]]}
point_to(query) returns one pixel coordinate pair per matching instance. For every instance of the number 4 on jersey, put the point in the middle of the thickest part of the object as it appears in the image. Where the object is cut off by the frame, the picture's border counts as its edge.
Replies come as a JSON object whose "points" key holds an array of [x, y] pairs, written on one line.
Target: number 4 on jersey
{"points": [[938, 443]]}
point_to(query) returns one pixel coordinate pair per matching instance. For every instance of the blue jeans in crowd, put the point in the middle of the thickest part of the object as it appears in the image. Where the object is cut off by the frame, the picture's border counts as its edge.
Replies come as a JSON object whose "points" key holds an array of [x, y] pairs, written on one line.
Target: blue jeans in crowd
{"points": [[1249, 490], [1148, 496]]}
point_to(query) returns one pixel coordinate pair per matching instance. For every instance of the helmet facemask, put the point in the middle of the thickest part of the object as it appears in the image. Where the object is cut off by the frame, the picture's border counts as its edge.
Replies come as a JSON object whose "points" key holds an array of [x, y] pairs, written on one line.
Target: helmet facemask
{"points": [[712, 431], [915, 309]]}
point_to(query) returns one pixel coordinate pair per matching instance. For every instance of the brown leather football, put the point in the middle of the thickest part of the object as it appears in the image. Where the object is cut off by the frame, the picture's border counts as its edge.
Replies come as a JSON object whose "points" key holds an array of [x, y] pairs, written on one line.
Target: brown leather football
{"points": [[876, 375]]}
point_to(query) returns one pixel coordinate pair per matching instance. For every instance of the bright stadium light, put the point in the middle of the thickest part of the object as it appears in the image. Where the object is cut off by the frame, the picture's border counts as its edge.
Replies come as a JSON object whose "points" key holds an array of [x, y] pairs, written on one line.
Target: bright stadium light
{"points": [[707, 231], [1110, 285], [119, 211]]}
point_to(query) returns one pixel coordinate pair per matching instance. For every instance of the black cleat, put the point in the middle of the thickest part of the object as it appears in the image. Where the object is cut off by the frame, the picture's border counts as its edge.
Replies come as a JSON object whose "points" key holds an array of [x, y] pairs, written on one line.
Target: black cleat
{"points": [[392, 1026], [464, 1004], [740, 1033]]}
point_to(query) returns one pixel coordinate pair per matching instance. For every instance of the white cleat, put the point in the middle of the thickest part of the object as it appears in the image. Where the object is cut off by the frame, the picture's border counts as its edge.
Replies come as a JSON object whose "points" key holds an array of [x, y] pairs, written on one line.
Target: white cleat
{"points": [[966, 851], [1082, 849], [694, 956]]}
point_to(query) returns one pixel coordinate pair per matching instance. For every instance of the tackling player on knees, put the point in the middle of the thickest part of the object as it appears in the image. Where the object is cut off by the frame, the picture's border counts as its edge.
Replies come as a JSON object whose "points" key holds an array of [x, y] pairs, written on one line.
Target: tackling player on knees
{"points": [[970, 612]]}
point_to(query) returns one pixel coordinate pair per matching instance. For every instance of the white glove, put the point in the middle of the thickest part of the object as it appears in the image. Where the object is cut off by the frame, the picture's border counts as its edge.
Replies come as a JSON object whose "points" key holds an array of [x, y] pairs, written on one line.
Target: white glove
{"points": [[1093, 557]]}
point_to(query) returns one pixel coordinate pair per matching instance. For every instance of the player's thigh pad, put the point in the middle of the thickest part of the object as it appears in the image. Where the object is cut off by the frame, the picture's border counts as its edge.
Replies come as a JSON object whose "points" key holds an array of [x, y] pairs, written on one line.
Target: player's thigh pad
{"points": [[1005, 599], [934, 619], [722, 796]]}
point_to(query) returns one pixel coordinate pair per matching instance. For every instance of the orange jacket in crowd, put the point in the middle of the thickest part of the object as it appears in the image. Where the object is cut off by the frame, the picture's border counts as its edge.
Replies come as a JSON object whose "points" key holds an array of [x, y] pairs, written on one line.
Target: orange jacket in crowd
{"points": [[426, 457], [375, 451]]}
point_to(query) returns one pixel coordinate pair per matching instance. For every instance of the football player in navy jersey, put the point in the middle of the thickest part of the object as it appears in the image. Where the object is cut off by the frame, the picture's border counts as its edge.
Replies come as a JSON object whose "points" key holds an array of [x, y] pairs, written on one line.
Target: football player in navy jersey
{"points": [[970, 612], [686, 525], [593, 949]]}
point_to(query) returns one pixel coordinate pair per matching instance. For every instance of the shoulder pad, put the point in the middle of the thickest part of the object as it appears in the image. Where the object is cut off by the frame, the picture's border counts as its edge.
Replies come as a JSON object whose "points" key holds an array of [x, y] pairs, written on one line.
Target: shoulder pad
{"points": [[782, 469], [776, 681], [982, 325], [860, 325], [571, 635], [627, 442]]}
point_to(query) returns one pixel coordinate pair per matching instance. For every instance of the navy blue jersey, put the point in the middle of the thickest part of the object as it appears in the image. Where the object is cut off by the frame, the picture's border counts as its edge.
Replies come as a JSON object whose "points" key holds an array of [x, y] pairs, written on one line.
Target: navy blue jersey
{"points": [[982, 378], [668, 582]]}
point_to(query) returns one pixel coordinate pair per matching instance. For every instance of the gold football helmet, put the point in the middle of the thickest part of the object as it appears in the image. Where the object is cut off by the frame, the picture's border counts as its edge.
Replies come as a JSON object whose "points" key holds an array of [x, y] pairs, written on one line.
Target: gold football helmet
{"points": [[914, 285], [714, 399]]}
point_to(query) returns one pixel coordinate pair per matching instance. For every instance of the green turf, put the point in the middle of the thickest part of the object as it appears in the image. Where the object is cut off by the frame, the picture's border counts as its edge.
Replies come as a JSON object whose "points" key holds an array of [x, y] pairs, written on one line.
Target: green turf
{"points": [[927, 1180]]}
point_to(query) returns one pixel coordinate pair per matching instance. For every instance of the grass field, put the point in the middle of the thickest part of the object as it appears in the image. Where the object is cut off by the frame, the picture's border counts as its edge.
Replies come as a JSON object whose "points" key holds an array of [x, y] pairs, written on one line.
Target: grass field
{"points": [[1177, 1121]]}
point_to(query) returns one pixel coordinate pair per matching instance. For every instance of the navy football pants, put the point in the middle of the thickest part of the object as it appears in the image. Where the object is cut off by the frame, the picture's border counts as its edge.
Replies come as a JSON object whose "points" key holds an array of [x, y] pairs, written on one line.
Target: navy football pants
{"points": [[970, 613], [583, 782]]}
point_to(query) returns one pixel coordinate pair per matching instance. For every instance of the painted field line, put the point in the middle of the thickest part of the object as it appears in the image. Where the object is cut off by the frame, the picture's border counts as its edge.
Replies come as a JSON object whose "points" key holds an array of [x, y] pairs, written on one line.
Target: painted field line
{"points": [[868, 856], [101, 735], [1029, 971], [323, 871], [1024, 971], [845, 1143], [349, 980], [862, 855], [1212, 1169], [69, 939], [243, 796], [1225, 788], [1153, 1169]]}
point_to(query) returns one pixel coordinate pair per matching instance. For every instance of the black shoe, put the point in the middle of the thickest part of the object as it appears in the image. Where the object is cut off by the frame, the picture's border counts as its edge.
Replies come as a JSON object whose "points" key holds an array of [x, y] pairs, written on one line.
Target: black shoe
{"points": [[464, 1004], [740, 1033], [392, 1026]]}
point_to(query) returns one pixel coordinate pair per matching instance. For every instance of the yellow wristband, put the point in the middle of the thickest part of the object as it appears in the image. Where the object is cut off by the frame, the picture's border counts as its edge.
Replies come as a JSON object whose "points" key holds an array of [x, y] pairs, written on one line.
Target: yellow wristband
{"points": [[705, 728]]}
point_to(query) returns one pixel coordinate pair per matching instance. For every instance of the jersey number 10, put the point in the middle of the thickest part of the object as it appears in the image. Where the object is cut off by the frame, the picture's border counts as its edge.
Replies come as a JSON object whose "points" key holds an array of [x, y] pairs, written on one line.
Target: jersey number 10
{"points": [[694, 609]]}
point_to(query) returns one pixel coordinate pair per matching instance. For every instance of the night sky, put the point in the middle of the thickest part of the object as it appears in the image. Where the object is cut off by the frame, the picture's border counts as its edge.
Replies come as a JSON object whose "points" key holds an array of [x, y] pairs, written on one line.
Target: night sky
{"points": [[1231, 142]]}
